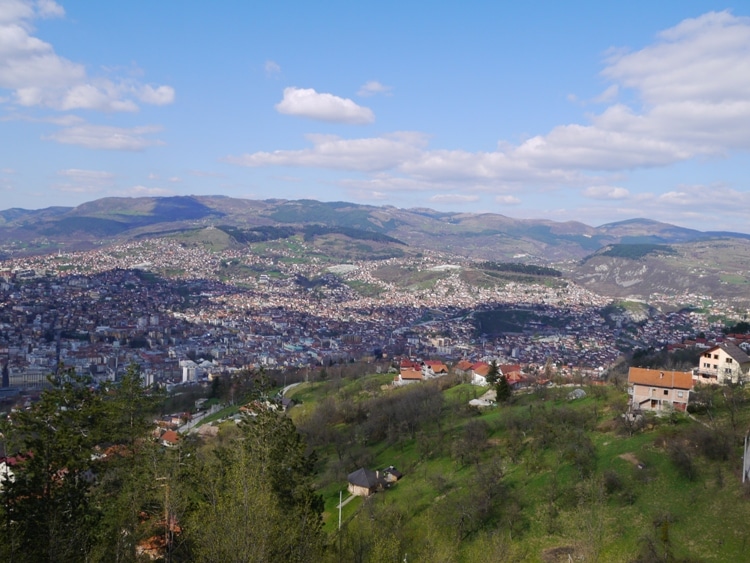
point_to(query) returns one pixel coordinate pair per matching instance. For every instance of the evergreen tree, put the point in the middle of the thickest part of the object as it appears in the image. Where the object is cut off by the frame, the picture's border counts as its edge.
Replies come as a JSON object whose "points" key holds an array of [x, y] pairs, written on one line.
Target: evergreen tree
{"points": [[493, 372], [129, 486], [503, 390], [47, 513], [86, 474]]}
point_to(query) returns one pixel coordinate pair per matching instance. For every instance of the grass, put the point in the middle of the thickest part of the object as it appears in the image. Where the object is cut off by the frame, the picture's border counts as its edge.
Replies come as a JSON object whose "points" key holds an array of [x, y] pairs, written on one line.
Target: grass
{"points": [[553, 503]]}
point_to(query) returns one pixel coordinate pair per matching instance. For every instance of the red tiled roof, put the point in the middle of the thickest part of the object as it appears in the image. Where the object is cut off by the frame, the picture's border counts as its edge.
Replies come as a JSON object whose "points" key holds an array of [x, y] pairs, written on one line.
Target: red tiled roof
{"points": [[411, 374], [480, 368], [170, 436], [661, 378]]}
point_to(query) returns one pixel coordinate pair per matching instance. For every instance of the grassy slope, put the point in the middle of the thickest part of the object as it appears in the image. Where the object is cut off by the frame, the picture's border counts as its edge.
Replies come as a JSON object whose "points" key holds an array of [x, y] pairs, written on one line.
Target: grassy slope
{"points": [[708, 512]]}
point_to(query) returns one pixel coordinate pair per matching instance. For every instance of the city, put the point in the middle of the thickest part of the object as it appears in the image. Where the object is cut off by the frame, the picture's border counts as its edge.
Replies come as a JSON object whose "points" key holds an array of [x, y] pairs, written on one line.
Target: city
{"points": [[99, 311]]}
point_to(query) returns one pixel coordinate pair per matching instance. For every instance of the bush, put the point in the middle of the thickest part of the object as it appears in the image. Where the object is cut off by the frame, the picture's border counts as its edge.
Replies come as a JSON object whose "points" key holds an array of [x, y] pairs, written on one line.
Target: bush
{"points": [[682, 459], [715, 445]]}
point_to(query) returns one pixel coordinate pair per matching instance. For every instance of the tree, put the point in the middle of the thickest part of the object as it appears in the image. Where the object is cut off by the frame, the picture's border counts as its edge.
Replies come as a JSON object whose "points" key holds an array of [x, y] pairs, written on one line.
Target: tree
{"points": [[256, 500], [503, 390], [493, 372], [47, 513], [86, 476], [127, 486]]}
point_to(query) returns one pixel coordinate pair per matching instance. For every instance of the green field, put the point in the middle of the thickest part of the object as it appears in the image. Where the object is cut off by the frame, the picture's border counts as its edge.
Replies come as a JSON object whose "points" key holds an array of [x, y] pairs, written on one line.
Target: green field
{"points": [[539, 479]]}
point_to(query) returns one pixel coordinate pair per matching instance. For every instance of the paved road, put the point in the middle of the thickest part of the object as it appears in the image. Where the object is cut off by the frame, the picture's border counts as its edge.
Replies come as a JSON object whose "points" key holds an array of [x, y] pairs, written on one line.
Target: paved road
{"points": [[190, 424], [288, 387], [343, 504]]}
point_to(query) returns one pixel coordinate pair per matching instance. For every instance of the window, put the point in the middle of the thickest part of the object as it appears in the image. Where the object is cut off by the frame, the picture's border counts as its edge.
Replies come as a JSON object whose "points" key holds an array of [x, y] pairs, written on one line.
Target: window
{"points": [[727, 370], [729, 360], [706, 355], [716, 366], [666, 391], [706, 365], [679, 394], [716, 356]]}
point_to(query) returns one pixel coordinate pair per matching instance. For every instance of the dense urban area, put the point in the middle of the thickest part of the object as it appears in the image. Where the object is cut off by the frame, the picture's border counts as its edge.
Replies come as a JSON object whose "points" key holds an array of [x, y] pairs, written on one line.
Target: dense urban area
{"points": [[99, 311]]}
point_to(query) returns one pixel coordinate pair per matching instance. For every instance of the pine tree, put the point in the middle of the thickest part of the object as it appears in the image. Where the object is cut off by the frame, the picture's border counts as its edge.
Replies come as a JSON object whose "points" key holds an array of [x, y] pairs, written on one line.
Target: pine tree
{"points": [[503, 390], [128, 486], [47, 514], [493, 372]]}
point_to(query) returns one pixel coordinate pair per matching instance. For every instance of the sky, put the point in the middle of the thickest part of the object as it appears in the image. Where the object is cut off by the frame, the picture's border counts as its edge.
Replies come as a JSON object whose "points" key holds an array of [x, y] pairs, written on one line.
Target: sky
{"points": [[570, 111]]}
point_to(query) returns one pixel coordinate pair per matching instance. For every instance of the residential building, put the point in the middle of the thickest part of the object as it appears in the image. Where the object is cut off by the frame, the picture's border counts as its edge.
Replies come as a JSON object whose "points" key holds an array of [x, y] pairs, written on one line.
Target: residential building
{"points": [[364, 482], [722, 364], [658, 390]]}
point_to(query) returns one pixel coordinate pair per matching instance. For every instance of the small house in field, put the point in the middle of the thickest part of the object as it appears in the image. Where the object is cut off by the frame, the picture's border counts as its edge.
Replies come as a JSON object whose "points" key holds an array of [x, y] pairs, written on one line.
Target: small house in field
{"points": [[364, 482], [657, 390]]}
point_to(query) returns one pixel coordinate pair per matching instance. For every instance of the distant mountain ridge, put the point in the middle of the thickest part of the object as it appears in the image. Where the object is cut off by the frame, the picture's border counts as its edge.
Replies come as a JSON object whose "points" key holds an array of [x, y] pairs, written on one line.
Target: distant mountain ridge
{"points": [[471, 235], [636, 258]]}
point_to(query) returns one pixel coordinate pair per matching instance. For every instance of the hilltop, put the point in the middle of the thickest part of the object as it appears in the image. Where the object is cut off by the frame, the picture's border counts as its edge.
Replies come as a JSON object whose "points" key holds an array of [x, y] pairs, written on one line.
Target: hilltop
{"points": [[636, 258]]}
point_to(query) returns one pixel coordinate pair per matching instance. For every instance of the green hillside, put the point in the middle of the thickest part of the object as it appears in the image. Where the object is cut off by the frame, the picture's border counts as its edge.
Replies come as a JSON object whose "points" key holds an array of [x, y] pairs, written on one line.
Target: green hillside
{"points": [[539, 479]]}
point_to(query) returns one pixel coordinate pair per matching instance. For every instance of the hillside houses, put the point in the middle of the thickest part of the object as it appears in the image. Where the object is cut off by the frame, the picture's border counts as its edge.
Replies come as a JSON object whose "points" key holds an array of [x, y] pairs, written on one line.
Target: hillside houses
{"points": [[411, 371]]}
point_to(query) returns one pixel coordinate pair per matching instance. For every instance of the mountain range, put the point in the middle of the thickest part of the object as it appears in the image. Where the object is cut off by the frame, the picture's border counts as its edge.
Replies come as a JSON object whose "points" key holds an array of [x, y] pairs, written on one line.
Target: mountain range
{"points": [[633, 258]]}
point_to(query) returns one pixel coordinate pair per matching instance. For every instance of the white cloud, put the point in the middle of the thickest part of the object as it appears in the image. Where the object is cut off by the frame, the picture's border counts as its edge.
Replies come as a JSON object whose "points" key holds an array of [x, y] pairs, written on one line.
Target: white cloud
{"points": [[159, 96], [106, 137], [701, 59], [507, 200], [676, 198], [77, 180], [373, 87], [606, 192], [306, 102], [608, 95], [38, 76], [20, 10], [365, 195], [454, 198], [272, 68], [144, 191], [691, 88], [49, 9], [328, 151], [87, 175]]}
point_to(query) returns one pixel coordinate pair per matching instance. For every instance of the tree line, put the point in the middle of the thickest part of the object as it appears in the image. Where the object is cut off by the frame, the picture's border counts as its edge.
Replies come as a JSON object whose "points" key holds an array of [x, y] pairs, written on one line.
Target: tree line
{"points": [[90, 482]]}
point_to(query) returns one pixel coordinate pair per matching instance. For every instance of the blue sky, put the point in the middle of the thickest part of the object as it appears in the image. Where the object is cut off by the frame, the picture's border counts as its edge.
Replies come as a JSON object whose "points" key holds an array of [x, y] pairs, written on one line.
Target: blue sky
{"points": [[581, 110]]}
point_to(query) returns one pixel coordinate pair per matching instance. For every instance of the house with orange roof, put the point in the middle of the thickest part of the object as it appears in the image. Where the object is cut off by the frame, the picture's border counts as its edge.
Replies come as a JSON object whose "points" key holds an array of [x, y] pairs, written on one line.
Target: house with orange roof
{"points": [[408, 375], [433, 368], [170, 438], [658, 390], [479, 373]]}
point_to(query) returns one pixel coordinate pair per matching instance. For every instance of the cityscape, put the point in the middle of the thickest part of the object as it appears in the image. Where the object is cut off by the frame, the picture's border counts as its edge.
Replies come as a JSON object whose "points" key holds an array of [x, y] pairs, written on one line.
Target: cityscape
{"points": [[377, 282], [99, 311]]}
